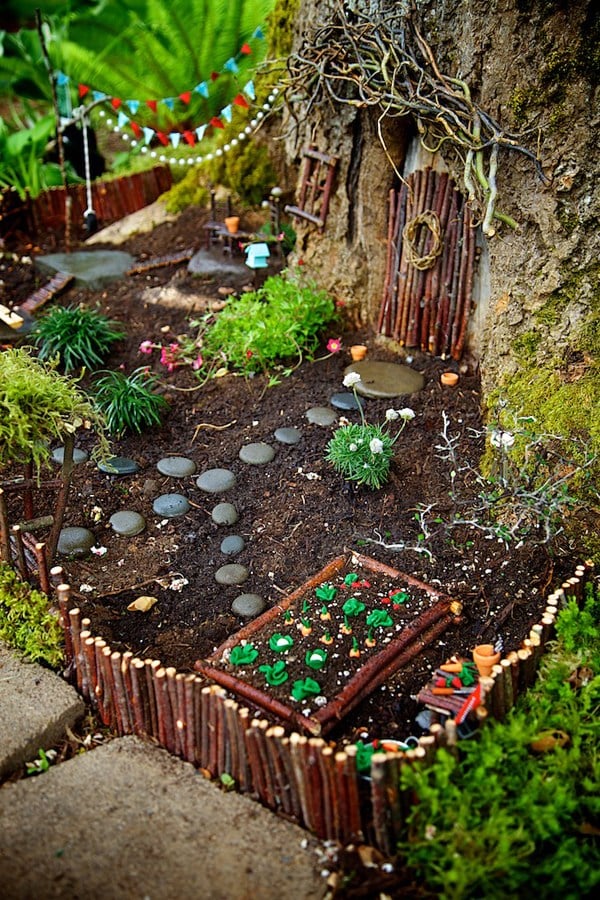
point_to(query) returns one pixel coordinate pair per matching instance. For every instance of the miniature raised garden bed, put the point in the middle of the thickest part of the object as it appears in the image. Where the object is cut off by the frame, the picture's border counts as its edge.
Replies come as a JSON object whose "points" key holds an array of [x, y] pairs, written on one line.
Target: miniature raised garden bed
{"points": [[312, 658]]}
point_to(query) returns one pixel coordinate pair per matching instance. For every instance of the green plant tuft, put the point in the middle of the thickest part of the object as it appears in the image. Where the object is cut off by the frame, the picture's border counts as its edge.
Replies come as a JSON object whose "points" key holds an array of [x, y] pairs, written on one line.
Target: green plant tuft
{"points": [[128, 402], [247, 171], [191, 190], [80, 337], [26, 622]]}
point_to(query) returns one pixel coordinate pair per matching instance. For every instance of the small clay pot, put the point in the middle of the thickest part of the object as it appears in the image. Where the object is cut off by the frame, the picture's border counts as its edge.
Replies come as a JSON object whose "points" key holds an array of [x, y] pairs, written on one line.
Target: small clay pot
{"points": [[449, 379], [358, 352], [484, 657], [232, 224]]}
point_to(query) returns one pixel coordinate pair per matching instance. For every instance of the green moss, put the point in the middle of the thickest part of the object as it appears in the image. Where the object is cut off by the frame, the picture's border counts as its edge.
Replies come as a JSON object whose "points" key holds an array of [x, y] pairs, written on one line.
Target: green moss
{"points": [[526, 344], [26, 622], [246, 171], [523, 101], [567, 217], [280, 23], [191, 190]]}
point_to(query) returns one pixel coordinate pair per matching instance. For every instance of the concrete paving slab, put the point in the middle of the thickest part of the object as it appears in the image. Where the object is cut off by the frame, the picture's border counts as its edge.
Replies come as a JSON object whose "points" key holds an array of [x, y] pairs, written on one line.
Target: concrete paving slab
{"points": [[217, 264], [36, 707], [91, 269], [127, 820], [140, 222]]}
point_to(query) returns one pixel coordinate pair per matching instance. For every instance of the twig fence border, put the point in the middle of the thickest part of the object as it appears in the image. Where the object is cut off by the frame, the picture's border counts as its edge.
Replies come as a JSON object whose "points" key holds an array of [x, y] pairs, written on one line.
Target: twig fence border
{"points": [[304, 779]]}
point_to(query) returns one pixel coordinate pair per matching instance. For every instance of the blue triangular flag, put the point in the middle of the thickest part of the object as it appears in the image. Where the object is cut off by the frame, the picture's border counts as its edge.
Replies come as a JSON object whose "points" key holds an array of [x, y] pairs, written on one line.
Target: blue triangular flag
{"points": [[202, 89], [148, 134], [258, 33], [175, 137], [249, 90], [122, 119], [133, 105], [200, 131], [98, 95], [226, 112], [169, 101], [231, 66], [62, 79]]}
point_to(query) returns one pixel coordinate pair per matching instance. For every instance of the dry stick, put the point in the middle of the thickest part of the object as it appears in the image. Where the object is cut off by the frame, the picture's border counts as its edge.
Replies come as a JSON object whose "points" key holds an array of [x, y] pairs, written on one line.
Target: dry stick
{"points": [[5, 553], [111, 705], [294, 792], [297, 744], [166, 730], [406, 269], [171, 689], [386, 299], [20, 552], [138, 700], [42, 564], [526, 668], [245, 771], [74, 620], [380, 806], [28, 492], [204, 727], [425, 237], [547, 624], [443, 212], [497, 694], [56, 576], [468, 288], [230, 708], [273, 737], [198, 713], [190, 717], [63, 599], [356, 831], [332, 808], [341, 797], [507, 684], [422, 181], [63, 493], [88, 650], [462, 302], [151, 666], [120, 696], [446, 271], [431, 278], [399, 224], [324, 799], [223, 752], [453, 293], [310, 750], [179, 713], [102, 690], [268, 763], [255, 761]]}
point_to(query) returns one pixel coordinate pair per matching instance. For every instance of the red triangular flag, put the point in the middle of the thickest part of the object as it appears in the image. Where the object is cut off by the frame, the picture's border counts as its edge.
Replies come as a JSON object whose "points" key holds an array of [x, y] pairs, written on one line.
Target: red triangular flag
{"points": [[246, 49], [186, 96], [216, 122], [151, 104], [136, 129], [83, 89], [190, 137], [214, 76], [162, 138], [240, 100], [116, 103]]}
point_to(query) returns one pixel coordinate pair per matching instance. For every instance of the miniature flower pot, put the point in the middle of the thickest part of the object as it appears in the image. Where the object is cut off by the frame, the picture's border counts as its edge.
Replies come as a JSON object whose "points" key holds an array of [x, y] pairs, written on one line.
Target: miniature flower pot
{"points": [[449, 379], [484, 657], [358, 352], [232, 224]]}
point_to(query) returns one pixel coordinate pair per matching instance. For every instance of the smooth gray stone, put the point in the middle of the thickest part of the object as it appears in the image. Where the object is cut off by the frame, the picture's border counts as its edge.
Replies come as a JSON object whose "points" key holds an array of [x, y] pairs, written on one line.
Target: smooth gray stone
{"points": [[346, 401], [384, 379], [206, 263], [127, 522], [232, 544], [75, 541], [176, 466], [288, 435], [232, 573], [171, 505], [320, 415], [91, 268], [225, 514], [258, 454], [79, 456], [248, 606], [215, 481], [119, 465]]}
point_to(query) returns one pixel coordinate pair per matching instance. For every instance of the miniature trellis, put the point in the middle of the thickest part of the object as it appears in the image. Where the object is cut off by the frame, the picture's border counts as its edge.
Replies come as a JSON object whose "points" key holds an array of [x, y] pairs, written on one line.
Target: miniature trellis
{"points": [[315, 191]]}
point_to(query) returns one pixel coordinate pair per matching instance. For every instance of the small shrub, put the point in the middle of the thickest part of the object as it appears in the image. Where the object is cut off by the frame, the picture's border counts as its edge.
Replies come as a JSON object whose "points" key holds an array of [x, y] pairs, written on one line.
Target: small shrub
{"points": [[80, 337], [128, 402], [26, 622]]}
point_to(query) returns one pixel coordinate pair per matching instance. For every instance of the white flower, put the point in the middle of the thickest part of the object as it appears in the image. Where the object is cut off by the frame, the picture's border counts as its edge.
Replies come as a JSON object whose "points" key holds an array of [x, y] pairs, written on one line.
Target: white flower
{"points": [[406, 413], [343, 421], [353, 447], [98, 551], [502, 439], [376, 445], [351, 379], [391, 415]]}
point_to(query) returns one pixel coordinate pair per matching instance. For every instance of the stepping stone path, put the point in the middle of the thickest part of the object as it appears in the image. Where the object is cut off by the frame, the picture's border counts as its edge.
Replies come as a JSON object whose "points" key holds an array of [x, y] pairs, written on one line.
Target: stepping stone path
{"points": [[91, 268], [321, 415], [384, 379], [288, 435], [231, 573], [258, 454], [119, 465], [75, 541], [176, 466], [170, 506], [127, 522], [79, 456], [247, 606], [216, 481], [225, 514], [232, 545], [346, 401]]}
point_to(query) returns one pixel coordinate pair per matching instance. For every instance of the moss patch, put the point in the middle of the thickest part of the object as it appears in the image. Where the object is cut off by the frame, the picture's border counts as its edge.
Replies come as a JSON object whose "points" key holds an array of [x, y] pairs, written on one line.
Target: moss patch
{"points": [[26, 622]]}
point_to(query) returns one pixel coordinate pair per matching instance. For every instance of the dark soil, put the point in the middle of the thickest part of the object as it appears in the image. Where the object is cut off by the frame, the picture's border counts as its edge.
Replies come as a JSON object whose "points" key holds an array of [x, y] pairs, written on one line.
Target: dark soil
{"points": [[295, 514]]}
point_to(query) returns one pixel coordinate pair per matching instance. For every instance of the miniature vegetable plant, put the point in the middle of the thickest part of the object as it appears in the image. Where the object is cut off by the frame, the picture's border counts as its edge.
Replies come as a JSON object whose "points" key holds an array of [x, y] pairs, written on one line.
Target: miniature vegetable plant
{"points": [[128, 402], [363, 452], [275, 674], [80, 337], [26, 622]]}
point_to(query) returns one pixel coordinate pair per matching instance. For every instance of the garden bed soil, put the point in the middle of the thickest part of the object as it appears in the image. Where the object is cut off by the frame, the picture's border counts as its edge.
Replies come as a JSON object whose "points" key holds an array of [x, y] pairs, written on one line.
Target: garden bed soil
{"points": [[295, 513]]}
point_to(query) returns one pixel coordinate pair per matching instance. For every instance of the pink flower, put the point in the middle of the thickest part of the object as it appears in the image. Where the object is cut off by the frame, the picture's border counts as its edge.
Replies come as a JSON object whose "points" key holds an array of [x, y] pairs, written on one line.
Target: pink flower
{"points": [[334, 345], [197, 363], [146, 347]]}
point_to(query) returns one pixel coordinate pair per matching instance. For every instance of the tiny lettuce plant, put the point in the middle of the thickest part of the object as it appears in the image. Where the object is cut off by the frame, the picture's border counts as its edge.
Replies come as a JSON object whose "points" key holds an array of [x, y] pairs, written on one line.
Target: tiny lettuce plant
{"points": [[129, 402], [363, 452], [80, 337]]}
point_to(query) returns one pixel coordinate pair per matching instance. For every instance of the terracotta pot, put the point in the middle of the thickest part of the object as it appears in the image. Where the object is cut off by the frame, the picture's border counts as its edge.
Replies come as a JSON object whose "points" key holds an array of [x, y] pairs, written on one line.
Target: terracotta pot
{"points": [[449, 379], [232, 224], [358, 352], [484, 657]]}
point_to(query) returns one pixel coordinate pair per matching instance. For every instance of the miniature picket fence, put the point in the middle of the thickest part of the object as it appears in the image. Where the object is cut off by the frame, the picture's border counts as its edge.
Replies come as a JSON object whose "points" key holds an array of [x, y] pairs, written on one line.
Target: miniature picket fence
{"points": [[304, 779]]}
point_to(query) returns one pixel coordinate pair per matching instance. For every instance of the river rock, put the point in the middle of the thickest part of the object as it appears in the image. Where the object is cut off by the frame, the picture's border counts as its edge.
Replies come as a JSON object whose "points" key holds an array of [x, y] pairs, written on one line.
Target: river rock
{"points": [[119, 465], [346, 401], [258, 454], [75, 541], [247, 606], [320, 415], [176, 466], [216, 481], [385, 379], [232, 573], [224, 514], [232, 545], [288, 435], [79, 456], [127, 522], [171, 505]]}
